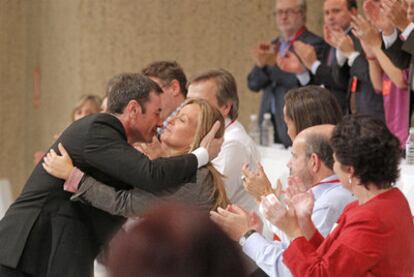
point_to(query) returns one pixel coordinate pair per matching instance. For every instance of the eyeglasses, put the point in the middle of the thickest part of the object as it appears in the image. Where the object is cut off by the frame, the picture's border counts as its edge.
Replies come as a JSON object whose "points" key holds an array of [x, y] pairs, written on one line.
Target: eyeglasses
{"points": [[288, 12]]}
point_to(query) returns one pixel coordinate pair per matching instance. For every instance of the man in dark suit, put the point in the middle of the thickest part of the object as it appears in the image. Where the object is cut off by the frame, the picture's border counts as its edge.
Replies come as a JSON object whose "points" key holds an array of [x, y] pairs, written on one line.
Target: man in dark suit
{"points": [[44, 233], [326, 72], [277, 69], [399, 46]]}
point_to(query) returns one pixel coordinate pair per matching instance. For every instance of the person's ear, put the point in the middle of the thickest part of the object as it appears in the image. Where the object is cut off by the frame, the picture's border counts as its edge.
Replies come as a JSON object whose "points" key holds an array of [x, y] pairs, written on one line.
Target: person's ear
{"points": [[226, 108], [350, 170], [315, 162], [133, 109], [354, 11], [175, 87]]}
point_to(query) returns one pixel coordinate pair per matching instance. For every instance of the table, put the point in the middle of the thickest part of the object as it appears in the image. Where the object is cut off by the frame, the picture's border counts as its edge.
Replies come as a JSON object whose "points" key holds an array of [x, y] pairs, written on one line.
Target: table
{"points": [[274, 160]]}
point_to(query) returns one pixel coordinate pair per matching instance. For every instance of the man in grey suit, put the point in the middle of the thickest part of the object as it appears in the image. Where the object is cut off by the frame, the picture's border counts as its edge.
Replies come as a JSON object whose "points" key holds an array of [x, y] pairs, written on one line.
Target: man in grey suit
{"points": [[44, 233], [277, 69]]}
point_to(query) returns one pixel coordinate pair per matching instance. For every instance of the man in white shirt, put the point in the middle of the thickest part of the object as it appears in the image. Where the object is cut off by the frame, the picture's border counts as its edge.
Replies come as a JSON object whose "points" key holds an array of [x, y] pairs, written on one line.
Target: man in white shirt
{"points": [[219, 88], [312, 163]]}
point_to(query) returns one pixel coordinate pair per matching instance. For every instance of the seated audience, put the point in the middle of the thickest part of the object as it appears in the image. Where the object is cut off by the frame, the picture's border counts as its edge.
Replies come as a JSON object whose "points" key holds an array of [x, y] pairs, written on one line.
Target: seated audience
{"points": [[311, 170], [374, 236], [304, 107], [182, 135], [173, 241]]}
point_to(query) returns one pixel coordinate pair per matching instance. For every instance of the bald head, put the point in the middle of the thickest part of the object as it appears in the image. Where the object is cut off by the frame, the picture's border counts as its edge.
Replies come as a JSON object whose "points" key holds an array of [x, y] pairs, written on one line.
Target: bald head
{"points": [[324, 130], [317, 141]]}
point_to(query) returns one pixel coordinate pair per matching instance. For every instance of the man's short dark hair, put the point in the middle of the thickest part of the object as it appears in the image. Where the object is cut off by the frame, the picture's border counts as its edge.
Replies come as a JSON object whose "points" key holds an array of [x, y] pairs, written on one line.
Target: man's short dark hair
{"points": [[320, 145], [127, 87], [226, 88], [167, 71], [351, 4], [366, 144]]}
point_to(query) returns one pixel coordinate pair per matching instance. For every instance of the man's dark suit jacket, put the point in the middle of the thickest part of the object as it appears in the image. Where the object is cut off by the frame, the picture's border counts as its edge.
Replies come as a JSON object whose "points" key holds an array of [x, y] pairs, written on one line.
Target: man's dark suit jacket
{"points": [[45, 234], [274, 81], [367, 100], [336, 81], [401, 54], [408, 45]]}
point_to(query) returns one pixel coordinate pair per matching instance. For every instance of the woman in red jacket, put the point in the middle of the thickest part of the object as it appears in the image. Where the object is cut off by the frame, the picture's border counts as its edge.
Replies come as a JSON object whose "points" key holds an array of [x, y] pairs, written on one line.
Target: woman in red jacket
{"points": [[375, 234]]}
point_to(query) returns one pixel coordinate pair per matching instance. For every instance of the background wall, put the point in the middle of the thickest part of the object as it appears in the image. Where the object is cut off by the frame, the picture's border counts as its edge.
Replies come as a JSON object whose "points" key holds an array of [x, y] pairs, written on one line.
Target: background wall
{"points": [[78, 45]]}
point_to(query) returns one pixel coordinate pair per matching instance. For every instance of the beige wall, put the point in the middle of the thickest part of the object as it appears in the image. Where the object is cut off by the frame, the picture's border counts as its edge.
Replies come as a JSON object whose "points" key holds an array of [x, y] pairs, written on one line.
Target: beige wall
{"points": [[80, 44]]}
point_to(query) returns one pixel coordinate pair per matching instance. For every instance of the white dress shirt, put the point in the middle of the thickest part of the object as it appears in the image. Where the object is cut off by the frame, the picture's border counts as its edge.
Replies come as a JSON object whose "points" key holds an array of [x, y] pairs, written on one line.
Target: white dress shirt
{"points": [[237, 149], [330, 199]]}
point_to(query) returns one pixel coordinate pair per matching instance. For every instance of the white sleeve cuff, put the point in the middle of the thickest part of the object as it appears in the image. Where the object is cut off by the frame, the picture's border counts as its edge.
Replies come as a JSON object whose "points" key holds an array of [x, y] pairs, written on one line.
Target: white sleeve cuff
{"points": [[352, 58], [340, 57], [202, 156], [389, 40], [407, 31], [315, 66], [254, 244], [268, 255], [303, 78]]}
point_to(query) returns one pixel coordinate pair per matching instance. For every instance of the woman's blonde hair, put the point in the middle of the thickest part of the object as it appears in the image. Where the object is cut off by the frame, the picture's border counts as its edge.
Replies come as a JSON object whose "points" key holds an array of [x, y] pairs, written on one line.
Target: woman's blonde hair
{"points": [[206, 118], [94, 99]]}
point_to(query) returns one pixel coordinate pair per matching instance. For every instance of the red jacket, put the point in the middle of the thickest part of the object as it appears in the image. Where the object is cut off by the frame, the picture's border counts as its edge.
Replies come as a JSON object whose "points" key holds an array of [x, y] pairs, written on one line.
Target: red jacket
{"points": [[373, 239]]}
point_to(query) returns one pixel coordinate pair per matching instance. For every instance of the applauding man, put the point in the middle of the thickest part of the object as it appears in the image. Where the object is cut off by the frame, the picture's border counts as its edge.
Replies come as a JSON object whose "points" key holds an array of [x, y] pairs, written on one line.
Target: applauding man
{"points": [[277, 69]]}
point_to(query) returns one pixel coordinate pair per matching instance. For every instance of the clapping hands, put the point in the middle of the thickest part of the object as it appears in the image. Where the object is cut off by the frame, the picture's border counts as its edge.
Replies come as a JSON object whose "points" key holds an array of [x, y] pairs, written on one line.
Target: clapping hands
{"points": [[256, 182], [263, 54], [292, 214], [236, 221], [338, 39]]}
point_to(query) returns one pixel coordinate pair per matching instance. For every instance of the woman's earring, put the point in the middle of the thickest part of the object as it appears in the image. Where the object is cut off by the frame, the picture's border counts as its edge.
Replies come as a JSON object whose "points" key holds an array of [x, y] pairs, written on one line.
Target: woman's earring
{"points": [[349, 180]]}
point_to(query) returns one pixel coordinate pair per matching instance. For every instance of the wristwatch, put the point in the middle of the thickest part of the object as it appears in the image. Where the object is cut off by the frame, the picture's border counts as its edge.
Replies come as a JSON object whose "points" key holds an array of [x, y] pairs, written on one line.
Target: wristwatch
{"points": [[246, 235]]}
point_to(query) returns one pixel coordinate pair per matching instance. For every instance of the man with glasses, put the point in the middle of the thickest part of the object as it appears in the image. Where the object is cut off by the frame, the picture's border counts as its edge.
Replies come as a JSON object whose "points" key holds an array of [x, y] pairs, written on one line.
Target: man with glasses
{"points": [[277, 69]]}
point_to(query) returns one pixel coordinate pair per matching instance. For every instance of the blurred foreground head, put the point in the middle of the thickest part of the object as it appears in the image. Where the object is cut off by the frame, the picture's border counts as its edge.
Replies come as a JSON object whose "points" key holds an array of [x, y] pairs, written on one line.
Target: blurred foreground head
{"points": [[175, 240]]}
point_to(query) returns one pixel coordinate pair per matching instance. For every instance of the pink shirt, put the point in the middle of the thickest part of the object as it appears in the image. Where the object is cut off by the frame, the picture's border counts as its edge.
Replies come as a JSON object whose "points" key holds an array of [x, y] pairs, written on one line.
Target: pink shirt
{"points": [[396, 107]]}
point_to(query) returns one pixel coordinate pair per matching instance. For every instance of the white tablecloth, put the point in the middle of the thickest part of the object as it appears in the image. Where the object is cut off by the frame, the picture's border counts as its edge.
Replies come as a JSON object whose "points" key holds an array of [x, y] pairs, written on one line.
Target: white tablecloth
{"points": [[275, 159], [5, 196]]}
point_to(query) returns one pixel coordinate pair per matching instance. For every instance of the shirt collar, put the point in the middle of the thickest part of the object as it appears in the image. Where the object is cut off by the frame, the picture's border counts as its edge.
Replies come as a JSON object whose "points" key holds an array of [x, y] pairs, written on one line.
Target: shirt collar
{"points": [[319, 189]]}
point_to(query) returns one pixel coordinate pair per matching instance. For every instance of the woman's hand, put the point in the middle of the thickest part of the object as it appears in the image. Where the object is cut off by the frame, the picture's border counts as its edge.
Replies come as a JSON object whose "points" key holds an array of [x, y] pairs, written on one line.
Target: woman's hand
{"points": [[152, 150], [59, 166], [256, 183], [367, 33]]}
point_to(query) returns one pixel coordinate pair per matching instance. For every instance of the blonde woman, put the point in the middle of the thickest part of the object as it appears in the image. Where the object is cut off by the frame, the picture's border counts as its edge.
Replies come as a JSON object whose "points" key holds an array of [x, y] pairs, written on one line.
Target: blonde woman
{"points": [[88, 104], [182, 135]]}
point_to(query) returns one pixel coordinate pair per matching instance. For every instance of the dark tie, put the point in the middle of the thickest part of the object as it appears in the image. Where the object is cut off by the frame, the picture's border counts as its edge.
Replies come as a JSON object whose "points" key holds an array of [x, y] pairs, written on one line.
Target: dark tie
{"points": [[331, 56]]}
